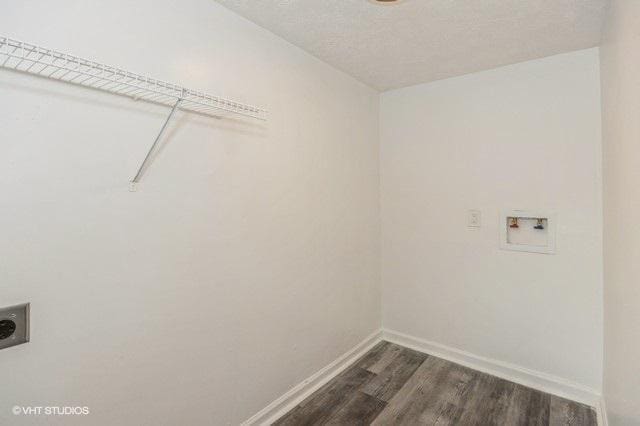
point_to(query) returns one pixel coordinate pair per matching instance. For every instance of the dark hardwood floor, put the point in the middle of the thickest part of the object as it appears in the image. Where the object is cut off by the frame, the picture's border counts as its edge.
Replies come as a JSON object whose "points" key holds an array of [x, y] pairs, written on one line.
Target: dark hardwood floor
{"points": [[393, 385]]}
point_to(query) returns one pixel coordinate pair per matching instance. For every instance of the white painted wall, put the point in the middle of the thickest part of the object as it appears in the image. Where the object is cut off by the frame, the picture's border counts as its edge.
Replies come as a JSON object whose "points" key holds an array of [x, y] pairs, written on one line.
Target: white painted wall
{"points": [[620, 61], [248, 259], [525, 136]]}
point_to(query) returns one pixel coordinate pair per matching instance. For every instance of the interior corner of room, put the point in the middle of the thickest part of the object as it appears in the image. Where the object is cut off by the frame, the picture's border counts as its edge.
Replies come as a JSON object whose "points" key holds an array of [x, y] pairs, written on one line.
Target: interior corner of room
{"points": [[222, 212]]}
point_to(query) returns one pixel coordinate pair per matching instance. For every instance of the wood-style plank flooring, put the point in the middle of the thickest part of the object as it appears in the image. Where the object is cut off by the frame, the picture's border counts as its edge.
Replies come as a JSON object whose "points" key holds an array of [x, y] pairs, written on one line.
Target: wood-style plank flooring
{"points": [[393, 385]]}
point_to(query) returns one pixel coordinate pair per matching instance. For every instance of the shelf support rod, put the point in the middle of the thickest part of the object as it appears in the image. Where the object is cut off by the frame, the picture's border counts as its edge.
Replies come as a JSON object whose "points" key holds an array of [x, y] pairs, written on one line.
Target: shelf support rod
{"points": [[140, 172]]}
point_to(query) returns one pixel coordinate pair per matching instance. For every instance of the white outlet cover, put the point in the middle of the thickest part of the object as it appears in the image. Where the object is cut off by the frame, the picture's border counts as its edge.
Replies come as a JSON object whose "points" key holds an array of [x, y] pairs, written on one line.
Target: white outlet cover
{"points": [[474, 218]]}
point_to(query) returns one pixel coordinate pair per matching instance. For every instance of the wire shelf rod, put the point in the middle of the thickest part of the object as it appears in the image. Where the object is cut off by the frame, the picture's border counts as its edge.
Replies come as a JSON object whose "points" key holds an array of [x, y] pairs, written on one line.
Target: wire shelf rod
{"points": [[29, 58], [48, 63]]}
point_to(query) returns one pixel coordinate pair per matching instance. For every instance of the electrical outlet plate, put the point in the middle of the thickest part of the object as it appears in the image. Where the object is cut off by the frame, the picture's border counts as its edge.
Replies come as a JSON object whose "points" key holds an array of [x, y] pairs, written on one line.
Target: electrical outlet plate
{"points": [[474, 219], [14, 325]]}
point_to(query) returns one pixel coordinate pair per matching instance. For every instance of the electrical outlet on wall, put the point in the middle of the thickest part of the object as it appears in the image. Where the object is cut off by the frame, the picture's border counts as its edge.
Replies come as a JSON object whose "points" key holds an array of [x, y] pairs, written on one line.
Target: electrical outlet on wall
{"points": [[14, 325], [474, 218]]}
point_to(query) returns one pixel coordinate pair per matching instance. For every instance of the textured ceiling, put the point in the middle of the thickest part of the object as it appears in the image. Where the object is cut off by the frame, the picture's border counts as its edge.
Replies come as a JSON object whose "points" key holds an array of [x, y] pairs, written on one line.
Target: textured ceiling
{"points": [[416, 41]]}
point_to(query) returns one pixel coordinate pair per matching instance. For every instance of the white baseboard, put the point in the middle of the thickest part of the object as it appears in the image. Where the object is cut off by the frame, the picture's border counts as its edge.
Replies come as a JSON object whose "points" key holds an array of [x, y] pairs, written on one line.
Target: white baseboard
{"points": [[602, 413], [514, 373], [298, 393]]}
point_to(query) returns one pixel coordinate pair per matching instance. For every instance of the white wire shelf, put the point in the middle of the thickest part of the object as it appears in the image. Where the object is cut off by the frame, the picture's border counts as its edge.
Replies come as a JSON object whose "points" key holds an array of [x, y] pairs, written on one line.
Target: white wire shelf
{"points": [[29, 58]]}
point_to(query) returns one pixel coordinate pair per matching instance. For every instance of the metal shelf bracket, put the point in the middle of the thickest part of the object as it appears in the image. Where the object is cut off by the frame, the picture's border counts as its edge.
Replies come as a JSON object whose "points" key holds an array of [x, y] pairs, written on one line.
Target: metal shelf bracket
{"points": [[141, 169]]}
